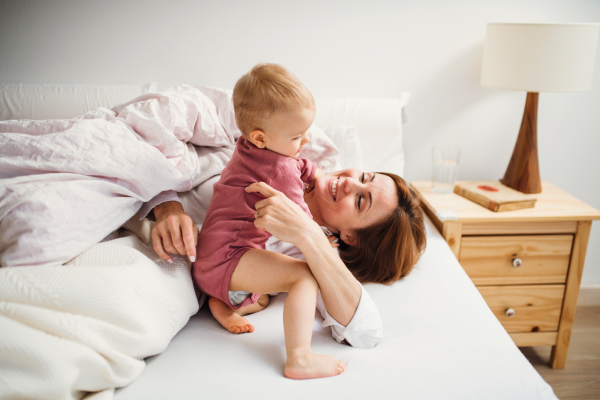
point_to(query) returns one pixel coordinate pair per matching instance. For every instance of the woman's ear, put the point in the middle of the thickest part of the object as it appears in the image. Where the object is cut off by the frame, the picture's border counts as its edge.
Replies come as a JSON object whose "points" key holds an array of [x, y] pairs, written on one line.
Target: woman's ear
{"points": [[258, 138], [350, 240]]}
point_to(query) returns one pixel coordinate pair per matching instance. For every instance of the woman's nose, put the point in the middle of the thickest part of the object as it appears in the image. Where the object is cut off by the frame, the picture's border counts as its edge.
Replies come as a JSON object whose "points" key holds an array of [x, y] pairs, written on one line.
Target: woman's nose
{"points": [[350, 185]]}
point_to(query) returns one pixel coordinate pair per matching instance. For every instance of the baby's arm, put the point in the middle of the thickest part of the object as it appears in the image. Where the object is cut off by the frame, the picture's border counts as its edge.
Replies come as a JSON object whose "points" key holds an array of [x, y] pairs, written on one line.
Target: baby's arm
{"points": [[318, 174]]}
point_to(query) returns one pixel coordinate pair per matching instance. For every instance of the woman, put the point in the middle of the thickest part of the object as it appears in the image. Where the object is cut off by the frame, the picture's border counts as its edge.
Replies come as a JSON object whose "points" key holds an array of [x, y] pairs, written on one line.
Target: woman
{"points": [[376, 216]]}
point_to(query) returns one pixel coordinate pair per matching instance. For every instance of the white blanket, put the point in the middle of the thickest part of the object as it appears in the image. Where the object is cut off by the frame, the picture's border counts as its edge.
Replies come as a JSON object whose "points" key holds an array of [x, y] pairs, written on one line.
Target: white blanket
{"points": [[88, 325]]}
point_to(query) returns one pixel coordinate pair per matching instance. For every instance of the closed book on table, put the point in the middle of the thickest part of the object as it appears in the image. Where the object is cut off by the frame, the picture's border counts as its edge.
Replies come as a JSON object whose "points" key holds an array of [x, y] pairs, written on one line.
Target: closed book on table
{"points": [[494, 195]]}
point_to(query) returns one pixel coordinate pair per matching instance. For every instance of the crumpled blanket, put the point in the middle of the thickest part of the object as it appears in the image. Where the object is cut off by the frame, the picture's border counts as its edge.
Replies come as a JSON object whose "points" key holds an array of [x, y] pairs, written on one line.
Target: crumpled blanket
{"points": [[66, 184]]}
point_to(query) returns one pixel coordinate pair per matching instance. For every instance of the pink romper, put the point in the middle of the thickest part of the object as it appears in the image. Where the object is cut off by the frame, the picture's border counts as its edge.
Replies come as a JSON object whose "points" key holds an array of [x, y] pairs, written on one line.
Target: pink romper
{"points": [[228, 230]]}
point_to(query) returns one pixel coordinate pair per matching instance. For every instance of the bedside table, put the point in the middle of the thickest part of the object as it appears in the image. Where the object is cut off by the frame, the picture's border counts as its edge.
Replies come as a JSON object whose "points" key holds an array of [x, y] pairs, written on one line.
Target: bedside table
{"points": [[527, 264]]}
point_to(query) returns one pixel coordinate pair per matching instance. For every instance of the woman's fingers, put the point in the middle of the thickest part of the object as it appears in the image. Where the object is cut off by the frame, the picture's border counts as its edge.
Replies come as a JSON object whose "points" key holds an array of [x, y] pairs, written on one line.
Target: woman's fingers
{"points": [[176, 240], [260, 222], [262, 188], [174, 232], [165, 235], [264, 203], [158, 246], [190, 239]]}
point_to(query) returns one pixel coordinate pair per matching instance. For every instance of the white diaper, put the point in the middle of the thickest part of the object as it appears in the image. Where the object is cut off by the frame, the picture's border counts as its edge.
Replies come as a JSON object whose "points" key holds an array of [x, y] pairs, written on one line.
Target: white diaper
{"points": [[236, 298]]}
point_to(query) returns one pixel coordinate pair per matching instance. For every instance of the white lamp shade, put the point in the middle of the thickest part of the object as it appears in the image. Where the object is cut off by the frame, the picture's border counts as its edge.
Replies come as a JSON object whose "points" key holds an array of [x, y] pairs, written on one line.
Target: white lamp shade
{"points": [[539, 57]]}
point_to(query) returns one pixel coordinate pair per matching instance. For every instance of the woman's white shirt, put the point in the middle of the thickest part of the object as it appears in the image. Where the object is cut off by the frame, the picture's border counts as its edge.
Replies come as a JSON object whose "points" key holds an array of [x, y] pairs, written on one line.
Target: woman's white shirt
{"points": [[365, 329]]}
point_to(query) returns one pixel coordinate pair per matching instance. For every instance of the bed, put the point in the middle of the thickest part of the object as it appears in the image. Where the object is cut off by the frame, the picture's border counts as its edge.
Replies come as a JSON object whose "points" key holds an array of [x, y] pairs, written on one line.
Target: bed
{"points": [[440, 339]]}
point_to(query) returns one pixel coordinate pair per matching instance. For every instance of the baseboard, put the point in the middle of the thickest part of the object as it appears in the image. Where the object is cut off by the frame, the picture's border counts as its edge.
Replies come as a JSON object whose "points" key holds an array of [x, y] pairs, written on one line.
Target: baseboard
{"points": [[589, 296]]}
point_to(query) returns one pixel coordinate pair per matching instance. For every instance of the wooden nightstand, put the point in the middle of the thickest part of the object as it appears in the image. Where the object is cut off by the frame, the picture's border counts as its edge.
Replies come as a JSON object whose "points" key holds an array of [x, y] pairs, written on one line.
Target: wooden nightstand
{"points": [[527, 264]]}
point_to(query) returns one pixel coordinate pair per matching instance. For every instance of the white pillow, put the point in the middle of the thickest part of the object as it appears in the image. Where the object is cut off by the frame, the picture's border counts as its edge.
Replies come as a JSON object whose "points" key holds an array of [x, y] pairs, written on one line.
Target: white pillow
{"points": [[379, 126], [57, 101], [347, 141]]}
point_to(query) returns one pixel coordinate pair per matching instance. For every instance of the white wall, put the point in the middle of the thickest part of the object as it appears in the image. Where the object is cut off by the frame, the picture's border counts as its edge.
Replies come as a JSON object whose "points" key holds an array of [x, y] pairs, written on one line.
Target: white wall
{"points": [[431, 48]]}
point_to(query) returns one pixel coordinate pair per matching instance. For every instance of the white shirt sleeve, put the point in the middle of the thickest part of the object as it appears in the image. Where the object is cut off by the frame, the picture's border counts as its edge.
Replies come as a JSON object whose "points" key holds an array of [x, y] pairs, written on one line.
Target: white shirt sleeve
{"points": [[365, 329], [160, 198]]}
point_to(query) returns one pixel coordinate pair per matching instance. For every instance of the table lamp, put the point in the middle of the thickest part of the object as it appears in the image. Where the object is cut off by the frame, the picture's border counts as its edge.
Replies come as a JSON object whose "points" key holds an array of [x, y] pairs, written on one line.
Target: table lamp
{"points": [[536, 58]]}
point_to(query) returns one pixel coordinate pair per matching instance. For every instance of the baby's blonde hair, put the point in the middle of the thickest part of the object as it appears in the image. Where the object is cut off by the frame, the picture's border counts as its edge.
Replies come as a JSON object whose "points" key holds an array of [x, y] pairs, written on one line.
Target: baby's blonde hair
{"points": [[265, 90]]}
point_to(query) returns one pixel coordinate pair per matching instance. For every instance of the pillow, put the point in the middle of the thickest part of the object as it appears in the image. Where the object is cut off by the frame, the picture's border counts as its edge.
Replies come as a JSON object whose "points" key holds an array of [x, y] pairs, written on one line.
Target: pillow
{"points": [[347, 141], [321, 150], [56, 101], [379, 126]]}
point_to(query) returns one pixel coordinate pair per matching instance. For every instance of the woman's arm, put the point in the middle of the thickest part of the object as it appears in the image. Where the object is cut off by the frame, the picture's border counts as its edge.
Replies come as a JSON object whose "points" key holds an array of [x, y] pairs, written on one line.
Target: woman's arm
{"points": [[174, 232], [339, 289], [285, 220]]}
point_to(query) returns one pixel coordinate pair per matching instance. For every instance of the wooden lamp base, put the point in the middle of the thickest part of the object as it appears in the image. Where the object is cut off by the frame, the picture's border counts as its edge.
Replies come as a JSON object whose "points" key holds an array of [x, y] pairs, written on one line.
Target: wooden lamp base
{"points": [[523, 171]]}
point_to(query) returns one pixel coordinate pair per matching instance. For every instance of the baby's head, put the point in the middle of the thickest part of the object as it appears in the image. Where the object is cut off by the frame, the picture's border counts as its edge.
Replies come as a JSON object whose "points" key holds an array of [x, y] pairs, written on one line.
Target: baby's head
{"points": [[273, 109]]}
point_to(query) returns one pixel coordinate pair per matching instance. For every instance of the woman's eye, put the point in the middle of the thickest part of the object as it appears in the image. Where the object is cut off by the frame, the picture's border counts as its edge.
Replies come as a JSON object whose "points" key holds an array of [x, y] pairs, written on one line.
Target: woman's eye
{"points": [[362, 179], [359, 201]]}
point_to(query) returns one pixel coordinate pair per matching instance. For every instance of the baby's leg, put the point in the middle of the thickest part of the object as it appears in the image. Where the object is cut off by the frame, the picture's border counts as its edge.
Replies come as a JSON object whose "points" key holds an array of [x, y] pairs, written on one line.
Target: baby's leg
{"points": [[262, 271], [261, 304], [233, 320]]}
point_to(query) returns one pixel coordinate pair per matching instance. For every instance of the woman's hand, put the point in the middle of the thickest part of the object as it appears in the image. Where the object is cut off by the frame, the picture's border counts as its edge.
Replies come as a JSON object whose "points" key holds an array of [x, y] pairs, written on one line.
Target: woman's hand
{"points": [[280, 216], [174, 232]]}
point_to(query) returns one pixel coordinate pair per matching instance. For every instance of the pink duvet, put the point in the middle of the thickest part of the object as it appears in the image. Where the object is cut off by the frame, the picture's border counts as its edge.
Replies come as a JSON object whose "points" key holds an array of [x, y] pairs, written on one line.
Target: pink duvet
{"points": [[66, 184]]}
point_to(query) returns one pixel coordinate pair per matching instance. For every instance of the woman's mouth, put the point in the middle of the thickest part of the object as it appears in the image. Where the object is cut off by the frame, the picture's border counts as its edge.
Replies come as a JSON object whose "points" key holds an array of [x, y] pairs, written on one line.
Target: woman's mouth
{"points": [[333, 188]]}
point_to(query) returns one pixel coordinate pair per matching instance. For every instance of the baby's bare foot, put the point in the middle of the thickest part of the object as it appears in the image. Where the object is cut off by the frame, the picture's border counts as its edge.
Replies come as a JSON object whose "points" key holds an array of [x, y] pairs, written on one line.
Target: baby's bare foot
{"points": [[311, 366], [228, 318]]}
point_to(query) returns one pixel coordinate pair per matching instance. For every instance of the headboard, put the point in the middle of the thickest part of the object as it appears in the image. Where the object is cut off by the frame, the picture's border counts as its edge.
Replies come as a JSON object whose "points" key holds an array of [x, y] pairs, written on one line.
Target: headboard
{"points": [[56, 101]]}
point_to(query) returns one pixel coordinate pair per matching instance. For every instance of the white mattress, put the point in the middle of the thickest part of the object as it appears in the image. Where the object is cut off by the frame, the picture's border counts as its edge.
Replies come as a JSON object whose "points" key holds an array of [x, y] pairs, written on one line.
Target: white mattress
{"points": [[440, 342]]}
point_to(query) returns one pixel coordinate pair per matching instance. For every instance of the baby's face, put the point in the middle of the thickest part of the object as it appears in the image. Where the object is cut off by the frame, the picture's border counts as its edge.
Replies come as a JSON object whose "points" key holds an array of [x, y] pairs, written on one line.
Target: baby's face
{"points": [[287, 132]]}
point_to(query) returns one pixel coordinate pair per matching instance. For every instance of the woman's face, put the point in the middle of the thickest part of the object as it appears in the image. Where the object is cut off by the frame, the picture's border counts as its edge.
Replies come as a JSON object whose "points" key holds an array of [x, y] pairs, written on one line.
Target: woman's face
{"points": [[351, 199]]}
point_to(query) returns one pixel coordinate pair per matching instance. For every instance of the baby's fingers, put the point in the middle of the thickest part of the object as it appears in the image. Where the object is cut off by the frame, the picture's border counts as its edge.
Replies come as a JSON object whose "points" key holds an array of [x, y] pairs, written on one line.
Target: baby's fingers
{"points": [[332, 240]]}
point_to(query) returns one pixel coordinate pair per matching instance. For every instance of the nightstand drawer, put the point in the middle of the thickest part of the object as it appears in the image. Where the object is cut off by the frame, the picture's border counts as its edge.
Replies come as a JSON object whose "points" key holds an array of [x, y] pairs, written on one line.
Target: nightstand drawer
{"points": [[504, 260], [533, 308]]}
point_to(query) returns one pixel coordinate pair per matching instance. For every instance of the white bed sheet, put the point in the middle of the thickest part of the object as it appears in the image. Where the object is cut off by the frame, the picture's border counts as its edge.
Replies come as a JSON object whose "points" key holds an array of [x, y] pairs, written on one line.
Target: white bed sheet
{"points": [[440, 342]]}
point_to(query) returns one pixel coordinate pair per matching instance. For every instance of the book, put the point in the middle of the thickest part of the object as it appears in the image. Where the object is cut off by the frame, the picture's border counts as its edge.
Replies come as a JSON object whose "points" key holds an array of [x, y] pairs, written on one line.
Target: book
{"points": [[494, 195]]}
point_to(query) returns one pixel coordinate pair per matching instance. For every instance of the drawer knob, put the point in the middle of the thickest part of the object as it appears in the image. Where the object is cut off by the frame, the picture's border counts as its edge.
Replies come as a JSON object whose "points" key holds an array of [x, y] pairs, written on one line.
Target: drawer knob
{"points": [[517, 262], [509, 312]]}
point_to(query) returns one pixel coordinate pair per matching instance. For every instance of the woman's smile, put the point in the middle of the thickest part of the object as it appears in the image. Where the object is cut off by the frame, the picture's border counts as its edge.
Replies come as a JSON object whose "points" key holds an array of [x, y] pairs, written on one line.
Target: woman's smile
{"points": [[333, 187]]}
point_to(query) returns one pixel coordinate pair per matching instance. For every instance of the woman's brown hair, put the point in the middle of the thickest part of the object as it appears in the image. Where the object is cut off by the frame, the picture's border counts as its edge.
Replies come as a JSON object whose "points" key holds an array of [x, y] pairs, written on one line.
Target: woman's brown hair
{"points": [[388, 250]]}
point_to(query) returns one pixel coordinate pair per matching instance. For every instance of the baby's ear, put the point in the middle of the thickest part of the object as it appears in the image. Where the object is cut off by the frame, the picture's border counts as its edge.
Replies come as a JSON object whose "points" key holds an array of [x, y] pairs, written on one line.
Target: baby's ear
{"points": [[257, 138]]}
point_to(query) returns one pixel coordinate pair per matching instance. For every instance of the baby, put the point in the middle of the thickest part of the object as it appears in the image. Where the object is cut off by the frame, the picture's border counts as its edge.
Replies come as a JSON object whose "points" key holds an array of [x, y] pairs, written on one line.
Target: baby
{"points": [[274, 112]]}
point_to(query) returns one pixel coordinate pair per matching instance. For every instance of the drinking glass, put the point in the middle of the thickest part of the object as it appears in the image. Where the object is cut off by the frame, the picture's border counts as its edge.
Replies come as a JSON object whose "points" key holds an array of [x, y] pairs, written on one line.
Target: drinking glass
{"points": [[445, 167]]}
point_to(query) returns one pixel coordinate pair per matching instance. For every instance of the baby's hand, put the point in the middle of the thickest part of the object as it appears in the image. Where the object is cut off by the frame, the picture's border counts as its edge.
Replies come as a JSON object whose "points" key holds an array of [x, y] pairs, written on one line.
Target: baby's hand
{"points": [[318, 174], [331, 239]]}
